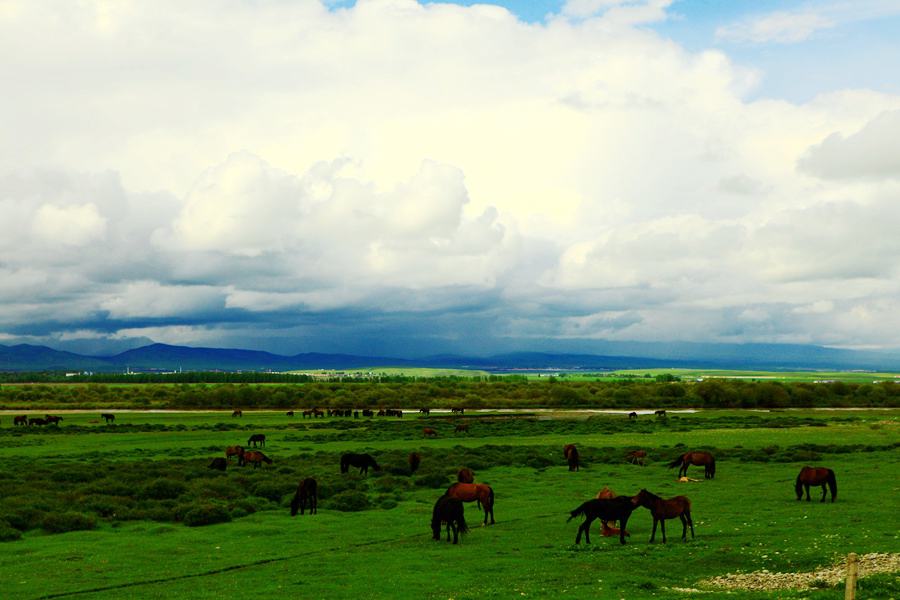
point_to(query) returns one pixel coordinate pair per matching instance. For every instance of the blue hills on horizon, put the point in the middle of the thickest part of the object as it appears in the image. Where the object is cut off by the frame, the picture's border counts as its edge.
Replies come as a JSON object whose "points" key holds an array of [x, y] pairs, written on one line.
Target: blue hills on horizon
{"points": [[164, 357]]}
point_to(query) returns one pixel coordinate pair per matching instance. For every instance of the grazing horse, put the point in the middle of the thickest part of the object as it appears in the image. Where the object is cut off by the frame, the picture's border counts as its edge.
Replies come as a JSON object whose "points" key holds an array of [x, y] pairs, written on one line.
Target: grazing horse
{"points": [[607, 530], [289, 413], [360, 461], [571, 454], [237, 413], [475, 492], [109, 417], [687, 459], [679, 506], [816, 476], [429, 432], [235, 451], [613, 509], [462, 428], [425, 411], [52, 420], [465, 475], [21, 420], [636, 457], [450, 511], [660, 413], [218, 463], [256, 458], [632, 415], [37, 421], [257, 439], [414, 460], [307, 494]]}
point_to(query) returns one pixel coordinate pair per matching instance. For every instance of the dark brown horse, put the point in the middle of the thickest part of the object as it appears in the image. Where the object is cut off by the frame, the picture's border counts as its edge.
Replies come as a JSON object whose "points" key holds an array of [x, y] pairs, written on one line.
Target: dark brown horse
{"points": [[109, 417], [475, 492], [307, 495], [462, 428], [636, 457], [289, 413], [465, 475], [450, 511], [21, 420], [256, 458], [360, 461], [704, 459], [237, 413], [679, 506], [816, 476], [257, 439], [614, 509], [429, 432], [52, 420], [632, 415], [414, 459], [218, 463], [571, 454]]}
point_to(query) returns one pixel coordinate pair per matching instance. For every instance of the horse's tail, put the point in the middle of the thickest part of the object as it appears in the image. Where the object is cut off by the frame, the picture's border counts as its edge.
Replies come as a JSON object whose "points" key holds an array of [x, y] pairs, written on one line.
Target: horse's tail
{"points": [[578, 511], [461, 521], [295, 503], [677, 462], [798, 486], [832, 483]]}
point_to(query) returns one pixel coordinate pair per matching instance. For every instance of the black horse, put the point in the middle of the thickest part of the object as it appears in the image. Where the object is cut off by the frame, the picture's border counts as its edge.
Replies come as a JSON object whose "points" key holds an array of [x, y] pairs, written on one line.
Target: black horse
{"points": [[360, 461], [109, 417], [306, 495], [614, 509], [257, 439], [218, 463], [450, 511]]}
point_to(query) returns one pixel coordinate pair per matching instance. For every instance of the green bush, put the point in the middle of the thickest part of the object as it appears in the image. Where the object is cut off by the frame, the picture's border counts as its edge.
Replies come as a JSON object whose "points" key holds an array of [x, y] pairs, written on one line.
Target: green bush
{"points": [[9, 533], [349, 501], [67, 521], [163, 489], [432, 480], [206, 514]]}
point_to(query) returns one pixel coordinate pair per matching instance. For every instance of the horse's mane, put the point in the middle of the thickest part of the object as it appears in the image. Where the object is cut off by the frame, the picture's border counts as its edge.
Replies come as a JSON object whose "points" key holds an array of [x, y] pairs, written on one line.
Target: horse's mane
{"points": [[651, 494]]}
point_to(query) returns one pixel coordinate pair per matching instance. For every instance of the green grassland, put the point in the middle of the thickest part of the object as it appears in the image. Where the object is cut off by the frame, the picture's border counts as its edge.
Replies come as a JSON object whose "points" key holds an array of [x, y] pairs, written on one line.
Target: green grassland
{"points": [[395, 372], [103, 511], [787, 376]]}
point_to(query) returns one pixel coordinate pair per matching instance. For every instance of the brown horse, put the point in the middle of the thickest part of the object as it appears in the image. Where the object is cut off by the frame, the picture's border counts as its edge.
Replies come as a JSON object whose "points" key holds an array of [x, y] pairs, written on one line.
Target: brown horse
{"points": [[462, 428], [816, 476], [414, 459], [235, 451], [307, 494], [607, 530], [21, 420], [257, 439], [465, 475], [429, 432], [450, 511], [571, 454], [475, 492], [704, 459], [237, 413], [256, 458], [636, 457], [679, 506]]}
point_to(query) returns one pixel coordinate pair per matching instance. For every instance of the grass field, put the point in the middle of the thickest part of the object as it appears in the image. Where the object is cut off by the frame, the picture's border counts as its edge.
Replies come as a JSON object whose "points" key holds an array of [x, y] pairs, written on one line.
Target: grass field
{"points": [[747, 519], [787, 376]]}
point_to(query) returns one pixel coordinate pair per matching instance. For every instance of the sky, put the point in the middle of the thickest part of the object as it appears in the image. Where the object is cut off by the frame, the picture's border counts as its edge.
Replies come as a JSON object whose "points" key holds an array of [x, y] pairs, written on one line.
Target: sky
{"points": [[410, 178]]}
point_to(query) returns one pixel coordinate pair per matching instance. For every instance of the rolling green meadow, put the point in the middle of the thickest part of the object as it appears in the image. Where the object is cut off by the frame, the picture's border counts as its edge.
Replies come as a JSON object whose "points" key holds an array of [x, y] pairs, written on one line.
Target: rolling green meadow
{"points": [[130, 510]]}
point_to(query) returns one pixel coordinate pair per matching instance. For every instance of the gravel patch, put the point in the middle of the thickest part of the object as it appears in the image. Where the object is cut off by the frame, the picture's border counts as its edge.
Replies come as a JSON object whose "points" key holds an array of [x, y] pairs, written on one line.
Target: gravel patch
{"points": [[869, 564]]}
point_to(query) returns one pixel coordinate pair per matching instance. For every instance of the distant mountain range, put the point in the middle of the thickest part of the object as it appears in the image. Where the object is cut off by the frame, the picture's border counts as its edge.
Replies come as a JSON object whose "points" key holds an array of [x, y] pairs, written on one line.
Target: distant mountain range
{"points": [[162, 357]]}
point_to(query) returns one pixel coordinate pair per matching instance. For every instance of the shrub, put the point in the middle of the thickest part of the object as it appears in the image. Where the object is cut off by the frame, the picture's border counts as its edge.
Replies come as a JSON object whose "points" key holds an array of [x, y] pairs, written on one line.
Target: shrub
{"points": [[349, 501], [9, 533], [67, 521], [206, 514], [163, 489], [432, 480]]}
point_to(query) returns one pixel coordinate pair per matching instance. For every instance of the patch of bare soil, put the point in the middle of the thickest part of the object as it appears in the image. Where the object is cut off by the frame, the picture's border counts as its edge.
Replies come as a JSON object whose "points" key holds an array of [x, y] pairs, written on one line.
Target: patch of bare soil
{"points": [[869, 564]]}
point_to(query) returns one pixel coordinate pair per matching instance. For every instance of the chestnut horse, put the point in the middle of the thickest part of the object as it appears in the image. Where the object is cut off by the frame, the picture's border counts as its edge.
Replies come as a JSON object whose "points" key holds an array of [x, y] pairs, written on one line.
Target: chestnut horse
{"points": [[636, 457], [816, 476], [704, 459], [450, 511], [475, 492], [465, 475], [679, 506], [256, 458], [614, 509], [235, 451], [307, 494], [571, 454], [429, 432]]}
